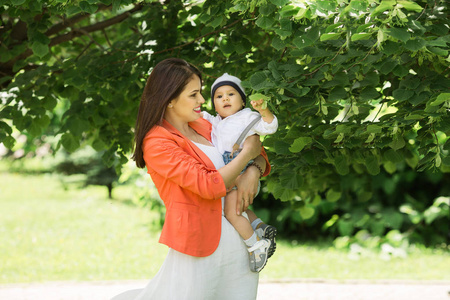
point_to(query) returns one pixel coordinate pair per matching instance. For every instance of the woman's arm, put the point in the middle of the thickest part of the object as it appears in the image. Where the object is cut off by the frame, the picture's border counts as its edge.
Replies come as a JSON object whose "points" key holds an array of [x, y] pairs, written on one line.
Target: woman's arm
{"points": [[247, 184], [251, 149]]}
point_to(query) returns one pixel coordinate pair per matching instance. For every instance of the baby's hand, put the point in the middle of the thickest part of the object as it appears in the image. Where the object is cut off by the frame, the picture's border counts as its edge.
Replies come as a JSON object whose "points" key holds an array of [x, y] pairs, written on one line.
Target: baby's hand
{"points": [[259, 101], [259, 104]]}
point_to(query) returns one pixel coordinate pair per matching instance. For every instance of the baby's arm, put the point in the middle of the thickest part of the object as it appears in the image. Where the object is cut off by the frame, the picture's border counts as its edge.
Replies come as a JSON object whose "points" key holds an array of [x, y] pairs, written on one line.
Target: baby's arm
{"points": [[265, 113]]}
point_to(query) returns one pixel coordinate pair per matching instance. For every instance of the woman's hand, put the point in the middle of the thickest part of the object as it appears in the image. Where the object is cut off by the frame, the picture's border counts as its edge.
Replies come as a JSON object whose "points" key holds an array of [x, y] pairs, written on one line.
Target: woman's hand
{"points": [[252, 146], [247, 187]]}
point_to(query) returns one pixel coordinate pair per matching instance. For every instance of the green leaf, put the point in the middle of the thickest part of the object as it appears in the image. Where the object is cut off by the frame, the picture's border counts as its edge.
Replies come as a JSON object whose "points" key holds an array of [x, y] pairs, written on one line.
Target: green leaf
{"points": [[441, 99], [267, 9], [40, 37], [265, 22], [340, 162], [280, 3], [414, 116], [393, 156], [374, 129], [390, 167], [288, 11], [99, 145], [343, 128], [39, 49], [401, 71], [410, 83], [291, 181], [369, 93], [361, 36], [302, 42], [77, 126], [438, 51], [258, 81], [345, 228], [278, 43], [399, 33], [18, 2], [258, 96], [390, 48], [281, 147], [69, 142], [227, 46], [409, 5], [415, 44], [372, 165], [307, 212], [8, 142], [434, 212], [402, 94], [337, 93], [333, 195], [87, 7], [418, 99], [42, 121], [299, 144], [388, 66], [216, 21], [330, 36], [5, 127], [384, 5]]}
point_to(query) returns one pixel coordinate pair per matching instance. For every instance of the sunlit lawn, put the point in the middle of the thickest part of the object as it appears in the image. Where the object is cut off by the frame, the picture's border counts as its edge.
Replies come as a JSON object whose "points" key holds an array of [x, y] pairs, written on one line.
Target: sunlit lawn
{"points": [[48, 233]]}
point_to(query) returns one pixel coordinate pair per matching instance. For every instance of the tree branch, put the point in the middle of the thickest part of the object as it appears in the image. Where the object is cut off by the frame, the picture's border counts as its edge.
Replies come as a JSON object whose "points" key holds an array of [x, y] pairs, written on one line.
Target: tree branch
{"points": [[69, 22], [199, 38], [91, 38], [337, 53], [95, 27], [7, 66], [367, 55]]}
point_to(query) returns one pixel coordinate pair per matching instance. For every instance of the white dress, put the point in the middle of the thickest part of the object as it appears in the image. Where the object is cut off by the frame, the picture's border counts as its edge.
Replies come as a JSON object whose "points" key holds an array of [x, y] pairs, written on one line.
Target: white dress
{"points": [[224, 275]]}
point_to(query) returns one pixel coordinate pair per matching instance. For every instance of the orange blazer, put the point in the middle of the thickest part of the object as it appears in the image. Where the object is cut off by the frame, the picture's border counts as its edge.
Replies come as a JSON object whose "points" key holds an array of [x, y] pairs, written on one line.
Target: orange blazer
{"points": [[189, 185]]}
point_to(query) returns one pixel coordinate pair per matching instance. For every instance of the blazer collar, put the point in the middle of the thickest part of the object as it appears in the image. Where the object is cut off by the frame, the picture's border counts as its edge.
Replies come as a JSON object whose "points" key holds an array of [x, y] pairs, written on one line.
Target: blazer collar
{"points": [[202, 127]]}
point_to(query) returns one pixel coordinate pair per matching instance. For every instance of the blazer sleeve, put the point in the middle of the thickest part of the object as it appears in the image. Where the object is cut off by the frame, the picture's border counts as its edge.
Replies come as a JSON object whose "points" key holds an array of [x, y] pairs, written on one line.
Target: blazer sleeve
{"points": [[268, 167], [169, 160]]}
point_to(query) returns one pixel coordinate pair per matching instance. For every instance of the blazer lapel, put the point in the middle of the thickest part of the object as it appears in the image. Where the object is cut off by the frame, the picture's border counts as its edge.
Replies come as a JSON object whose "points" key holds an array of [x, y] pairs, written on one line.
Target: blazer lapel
{"points": [[202, 129]]}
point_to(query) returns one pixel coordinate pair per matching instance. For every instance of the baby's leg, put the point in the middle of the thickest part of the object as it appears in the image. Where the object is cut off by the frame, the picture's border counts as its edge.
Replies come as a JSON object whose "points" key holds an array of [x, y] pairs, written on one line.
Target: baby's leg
{"points": [[240, 223], [251, 215]]}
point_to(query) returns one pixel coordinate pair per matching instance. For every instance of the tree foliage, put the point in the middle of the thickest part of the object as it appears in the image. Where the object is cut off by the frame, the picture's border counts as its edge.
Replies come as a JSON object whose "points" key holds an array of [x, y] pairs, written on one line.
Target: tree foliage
{"points": [[360, 87]]}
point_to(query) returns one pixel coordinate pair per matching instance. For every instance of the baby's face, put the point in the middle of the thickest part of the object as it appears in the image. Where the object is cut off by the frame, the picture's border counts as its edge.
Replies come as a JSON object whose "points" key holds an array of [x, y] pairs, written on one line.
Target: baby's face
{"points": [[227, 101]]}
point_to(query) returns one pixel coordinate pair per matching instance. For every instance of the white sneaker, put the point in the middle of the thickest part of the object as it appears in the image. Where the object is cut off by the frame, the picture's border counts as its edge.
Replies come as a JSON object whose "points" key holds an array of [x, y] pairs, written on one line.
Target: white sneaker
{"points": [[268, 232], [258, 255]]}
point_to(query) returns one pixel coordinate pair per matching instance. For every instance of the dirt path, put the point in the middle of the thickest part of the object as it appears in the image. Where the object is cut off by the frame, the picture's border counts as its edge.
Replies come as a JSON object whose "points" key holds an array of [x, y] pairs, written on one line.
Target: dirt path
{"points": [[268, 290]]}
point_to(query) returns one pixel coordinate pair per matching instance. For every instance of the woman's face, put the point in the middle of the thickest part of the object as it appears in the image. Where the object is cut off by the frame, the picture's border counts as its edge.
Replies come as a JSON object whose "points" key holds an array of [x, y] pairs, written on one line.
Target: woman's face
{"points": [[186, 107], [227, 101]]}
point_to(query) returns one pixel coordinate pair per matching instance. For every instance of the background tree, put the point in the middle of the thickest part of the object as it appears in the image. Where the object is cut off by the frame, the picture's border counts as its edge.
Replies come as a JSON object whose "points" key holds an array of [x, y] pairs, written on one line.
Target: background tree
{"points": [[360, 87]]}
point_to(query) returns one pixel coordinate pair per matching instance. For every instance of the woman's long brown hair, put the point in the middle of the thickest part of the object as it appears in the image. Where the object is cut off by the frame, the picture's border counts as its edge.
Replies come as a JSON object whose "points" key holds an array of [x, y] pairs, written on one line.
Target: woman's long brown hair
{"points": [[165, 83]]}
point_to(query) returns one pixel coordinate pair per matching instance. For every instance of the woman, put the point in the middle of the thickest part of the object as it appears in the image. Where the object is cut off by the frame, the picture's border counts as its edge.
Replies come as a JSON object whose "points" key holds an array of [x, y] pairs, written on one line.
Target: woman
{"points": [[207, 258]]}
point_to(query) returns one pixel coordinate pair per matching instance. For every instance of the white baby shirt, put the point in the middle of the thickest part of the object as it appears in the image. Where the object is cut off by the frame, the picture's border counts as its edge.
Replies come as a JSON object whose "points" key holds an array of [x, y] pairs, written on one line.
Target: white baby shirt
{"points": [[225, 132]]}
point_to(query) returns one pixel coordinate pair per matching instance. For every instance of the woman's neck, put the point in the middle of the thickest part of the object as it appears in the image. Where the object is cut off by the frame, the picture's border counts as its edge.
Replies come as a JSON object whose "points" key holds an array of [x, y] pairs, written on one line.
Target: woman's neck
{"points": [[182, 127]]}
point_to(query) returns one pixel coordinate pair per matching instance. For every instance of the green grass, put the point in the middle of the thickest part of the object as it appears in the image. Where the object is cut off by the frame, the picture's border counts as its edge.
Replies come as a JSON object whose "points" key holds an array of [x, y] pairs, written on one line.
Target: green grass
{"points": [[48, 233]]}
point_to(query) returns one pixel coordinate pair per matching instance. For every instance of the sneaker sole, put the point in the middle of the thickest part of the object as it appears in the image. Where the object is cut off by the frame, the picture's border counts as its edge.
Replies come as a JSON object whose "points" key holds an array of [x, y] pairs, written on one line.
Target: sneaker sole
{"points": [[270, 233]]}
